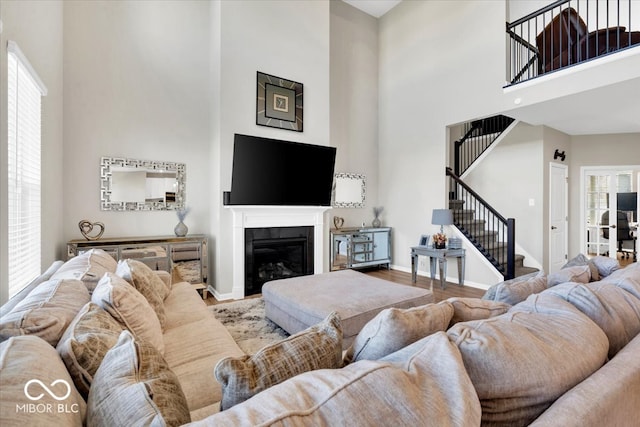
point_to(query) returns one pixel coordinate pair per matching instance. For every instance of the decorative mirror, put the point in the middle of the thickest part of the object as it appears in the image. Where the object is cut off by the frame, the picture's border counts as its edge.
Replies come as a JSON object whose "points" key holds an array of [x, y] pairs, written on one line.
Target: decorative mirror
{"points": [[349, 190], [141, 185]]}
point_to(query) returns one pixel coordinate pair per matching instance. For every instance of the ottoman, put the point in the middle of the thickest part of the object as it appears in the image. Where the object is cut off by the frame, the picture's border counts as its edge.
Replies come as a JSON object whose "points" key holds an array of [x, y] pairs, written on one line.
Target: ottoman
{"points": [[299, 302]]}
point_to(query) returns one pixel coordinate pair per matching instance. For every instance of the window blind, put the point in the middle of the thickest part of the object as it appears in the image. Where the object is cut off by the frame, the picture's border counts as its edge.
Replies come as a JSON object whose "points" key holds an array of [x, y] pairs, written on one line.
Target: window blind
{"points": [[24, 90]]}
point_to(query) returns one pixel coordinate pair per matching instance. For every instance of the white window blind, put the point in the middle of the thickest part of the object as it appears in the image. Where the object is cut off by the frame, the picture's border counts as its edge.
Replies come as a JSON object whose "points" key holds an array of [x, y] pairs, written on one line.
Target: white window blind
{"points": [[24, 90]]}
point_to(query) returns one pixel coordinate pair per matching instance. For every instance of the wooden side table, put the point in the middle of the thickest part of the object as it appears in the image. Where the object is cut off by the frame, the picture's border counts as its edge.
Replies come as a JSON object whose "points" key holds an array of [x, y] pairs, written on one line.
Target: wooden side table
{"points": [[438, 256]]}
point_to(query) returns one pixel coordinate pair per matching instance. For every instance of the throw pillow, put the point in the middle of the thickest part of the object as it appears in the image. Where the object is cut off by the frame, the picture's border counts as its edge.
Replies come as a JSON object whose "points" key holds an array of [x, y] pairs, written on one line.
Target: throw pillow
{"points": [[490, 294], [141, 277], [88, 267], [395, 328], [522, 361], [318, 347], [514, 291], [576, 274], [27, 363], [466, 309], [581, 259], [85, 342], [134, 386], [46, 311], [429, 388], [605, 265], [130, 308]]}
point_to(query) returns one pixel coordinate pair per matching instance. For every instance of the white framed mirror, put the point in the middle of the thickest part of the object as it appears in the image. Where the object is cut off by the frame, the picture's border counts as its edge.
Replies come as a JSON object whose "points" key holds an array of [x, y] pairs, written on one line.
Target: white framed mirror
{"points": [[141, 185], [349, 190]]}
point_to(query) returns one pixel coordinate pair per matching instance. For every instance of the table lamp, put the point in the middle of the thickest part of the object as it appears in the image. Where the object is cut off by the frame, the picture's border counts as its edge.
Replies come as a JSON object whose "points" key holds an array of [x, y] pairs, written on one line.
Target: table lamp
{"points": [[442, 217]]}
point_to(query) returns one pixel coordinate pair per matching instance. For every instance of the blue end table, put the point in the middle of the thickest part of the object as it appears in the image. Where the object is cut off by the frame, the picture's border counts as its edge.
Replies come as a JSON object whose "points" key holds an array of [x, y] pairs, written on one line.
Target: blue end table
{"points": [[438, 256]]}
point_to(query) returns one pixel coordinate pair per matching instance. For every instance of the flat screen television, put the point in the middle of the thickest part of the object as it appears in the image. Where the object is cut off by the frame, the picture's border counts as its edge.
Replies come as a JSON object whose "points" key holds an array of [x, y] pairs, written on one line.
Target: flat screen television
{"points": [[281, 173]]}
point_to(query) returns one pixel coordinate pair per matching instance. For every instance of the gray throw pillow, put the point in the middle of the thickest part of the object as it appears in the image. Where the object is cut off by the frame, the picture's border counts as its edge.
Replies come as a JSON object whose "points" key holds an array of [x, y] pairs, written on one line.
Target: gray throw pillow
{"points": [[395, 328], [514, 291], [605, 265], [576, 274], [581, 259]]}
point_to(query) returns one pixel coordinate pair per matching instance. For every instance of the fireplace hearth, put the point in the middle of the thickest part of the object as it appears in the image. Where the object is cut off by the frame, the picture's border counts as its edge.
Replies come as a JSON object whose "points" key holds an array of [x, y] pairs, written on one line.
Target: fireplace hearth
{"points": [[273, 253]]}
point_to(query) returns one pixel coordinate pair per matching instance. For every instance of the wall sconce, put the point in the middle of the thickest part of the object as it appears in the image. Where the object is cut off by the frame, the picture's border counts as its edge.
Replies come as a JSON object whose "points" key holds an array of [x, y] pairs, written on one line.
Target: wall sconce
{"points": [[559, 154]]}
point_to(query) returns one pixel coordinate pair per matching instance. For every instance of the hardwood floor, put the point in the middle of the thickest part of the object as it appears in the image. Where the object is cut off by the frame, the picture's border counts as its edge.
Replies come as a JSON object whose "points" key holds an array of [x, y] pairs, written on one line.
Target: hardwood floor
{"points": [[402, 278], [451, 289]]}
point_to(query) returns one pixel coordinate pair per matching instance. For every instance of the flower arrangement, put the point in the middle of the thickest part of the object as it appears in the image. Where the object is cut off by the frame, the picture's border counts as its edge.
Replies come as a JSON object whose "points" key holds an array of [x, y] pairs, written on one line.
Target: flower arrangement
{"points": [[182, 213], [439, 240]]}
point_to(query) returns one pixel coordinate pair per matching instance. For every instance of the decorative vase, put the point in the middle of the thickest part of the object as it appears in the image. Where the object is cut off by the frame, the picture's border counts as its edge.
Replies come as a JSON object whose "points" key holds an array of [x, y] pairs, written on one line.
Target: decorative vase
{"points": [[439, 245], [376, 222], [181, 229]]}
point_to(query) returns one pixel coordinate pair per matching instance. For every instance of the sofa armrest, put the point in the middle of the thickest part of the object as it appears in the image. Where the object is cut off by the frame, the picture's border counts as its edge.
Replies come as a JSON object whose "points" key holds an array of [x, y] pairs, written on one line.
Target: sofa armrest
{"points": [[13, 301], [165, 276]]}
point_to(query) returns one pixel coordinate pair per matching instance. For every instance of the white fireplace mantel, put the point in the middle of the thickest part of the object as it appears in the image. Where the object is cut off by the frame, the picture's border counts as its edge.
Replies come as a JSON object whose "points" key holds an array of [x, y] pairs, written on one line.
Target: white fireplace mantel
{"points": [[248, 216]]}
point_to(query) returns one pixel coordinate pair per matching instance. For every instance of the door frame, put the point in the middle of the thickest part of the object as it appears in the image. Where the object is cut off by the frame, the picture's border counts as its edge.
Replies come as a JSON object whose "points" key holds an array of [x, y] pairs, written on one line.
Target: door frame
{"points": [[565, 202], [613, 170]]}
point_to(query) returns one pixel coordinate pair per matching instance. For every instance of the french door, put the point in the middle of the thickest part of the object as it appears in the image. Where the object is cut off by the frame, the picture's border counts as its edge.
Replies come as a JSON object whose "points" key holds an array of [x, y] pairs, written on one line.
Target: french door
{"points": [[600, 186]]}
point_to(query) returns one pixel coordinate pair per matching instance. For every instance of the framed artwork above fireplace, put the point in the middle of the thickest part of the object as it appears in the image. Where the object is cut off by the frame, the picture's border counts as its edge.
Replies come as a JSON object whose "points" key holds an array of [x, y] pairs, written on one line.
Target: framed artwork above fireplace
{"points": [[279, 103]]}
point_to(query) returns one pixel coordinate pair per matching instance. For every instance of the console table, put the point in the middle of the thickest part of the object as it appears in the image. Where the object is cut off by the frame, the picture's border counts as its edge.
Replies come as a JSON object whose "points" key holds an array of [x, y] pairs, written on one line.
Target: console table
{"points": [[158, 252], [360, 247], [440, 256]]}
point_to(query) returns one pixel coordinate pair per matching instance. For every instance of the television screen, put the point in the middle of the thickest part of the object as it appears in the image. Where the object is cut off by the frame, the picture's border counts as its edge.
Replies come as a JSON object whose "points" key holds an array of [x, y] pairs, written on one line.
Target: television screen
{"points": [[282, 173]]}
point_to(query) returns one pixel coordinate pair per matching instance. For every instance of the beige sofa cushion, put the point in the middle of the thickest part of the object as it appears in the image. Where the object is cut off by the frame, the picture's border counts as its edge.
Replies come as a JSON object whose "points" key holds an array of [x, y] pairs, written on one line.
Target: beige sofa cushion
{"points": [[134, 386], [395, 328], [466, 309], [613, 309], [141, 277], [522, 361], [609, 397], [581, 259], [91, 334], [46, 311], [129, 307], [89, 267], [190, 321], [28, 364], [627, 278], [317, 347], [430, 388]]}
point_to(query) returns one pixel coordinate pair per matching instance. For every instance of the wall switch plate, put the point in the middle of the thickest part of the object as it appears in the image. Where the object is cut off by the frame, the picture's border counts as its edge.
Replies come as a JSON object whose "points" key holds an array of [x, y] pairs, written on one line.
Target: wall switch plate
{"points": [[532, 202]]}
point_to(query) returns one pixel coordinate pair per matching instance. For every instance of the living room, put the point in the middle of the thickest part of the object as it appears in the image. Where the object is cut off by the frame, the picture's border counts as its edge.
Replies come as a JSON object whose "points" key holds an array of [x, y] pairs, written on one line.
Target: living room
{"points": [[175, 81], [147, 92]]}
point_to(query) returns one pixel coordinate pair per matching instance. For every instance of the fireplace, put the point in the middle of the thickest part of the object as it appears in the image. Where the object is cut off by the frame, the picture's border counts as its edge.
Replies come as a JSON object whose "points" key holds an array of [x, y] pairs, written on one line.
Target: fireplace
{"points": [[273, 253], [248, 217]]}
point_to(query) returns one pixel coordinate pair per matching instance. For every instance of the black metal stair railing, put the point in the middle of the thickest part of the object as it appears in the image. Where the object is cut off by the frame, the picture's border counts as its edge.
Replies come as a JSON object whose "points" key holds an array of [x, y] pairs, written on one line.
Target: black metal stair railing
{"points": [[484, 226], [479, 135], [568, 32]]}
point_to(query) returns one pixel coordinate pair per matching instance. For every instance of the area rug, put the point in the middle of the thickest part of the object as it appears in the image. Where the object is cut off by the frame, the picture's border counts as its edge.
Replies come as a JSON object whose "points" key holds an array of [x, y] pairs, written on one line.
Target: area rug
{"points": [[246, 322]]}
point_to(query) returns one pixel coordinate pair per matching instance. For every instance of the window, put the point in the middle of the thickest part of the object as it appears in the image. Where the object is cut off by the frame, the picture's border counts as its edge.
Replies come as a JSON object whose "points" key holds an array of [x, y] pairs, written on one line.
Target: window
{"points": [[24, 90]]}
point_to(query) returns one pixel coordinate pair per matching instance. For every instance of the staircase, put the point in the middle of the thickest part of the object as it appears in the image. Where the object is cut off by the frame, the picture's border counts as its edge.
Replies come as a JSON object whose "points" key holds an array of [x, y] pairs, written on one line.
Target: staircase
{"points": [[489, 231], [487, 241]]}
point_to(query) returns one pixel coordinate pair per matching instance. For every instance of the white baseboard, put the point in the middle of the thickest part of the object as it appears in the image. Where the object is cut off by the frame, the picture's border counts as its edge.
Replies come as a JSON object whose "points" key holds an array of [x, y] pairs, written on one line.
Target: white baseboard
{"points": [[217, 295]]}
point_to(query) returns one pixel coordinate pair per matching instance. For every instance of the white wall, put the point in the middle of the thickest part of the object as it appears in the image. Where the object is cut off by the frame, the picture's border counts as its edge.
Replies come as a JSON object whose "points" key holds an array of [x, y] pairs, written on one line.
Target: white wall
{"points": [[509, 178], [37, 28], [354, 103], [282, 38], [440, 63], [137, 84]]}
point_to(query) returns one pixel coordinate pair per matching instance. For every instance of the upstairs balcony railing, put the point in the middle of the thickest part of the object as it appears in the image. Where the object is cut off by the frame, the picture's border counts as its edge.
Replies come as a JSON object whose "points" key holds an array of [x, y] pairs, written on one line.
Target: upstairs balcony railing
{"points": [[568, 32]]}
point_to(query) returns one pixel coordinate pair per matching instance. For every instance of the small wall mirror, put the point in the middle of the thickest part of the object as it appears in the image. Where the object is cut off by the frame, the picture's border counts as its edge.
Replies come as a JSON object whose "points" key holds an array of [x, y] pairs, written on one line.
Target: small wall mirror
{"points": [[141, 185], [349, 190]]}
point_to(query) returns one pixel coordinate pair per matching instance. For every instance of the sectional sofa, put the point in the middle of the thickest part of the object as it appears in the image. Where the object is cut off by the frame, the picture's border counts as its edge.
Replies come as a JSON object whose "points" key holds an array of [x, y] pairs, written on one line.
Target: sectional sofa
{"points": [[558, 349]]}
